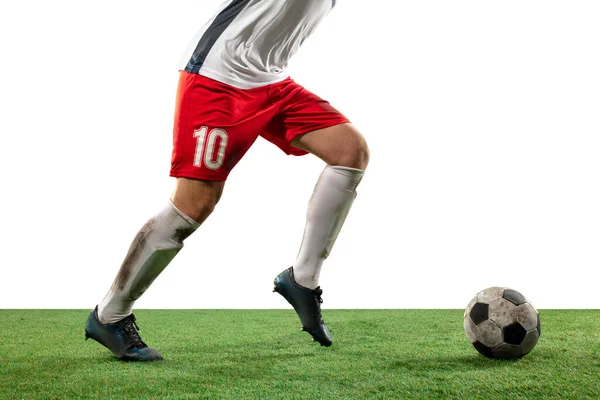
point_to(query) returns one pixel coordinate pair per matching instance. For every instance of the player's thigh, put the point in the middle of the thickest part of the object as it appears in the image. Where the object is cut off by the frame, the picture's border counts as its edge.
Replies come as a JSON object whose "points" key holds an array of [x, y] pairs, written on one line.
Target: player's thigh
{"points": [[215, 125], [340, 144], [310, 124]]}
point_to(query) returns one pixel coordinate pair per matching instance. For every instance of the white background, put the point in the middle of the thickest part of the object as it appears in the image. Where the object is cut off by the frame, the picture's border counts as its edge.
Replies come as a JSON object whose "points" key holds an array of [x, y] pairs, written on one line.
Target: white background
{"points": [[483, 120]]}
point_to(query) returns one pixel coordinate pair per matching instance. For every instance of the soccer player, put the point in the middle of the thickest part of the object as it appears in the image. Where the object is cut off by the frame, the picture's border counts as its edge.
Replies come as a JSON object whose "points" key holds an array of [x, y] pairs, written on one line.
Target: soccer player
{"points": [[233, 87]]}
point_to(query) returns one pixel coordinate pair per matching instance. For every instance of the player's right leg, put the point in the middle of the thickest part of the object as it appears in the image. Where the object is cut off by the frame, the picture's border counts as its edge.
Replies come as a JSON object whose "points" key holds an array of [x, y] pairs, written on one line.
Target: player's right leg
{"points": [[215, 125], [112, 323]]}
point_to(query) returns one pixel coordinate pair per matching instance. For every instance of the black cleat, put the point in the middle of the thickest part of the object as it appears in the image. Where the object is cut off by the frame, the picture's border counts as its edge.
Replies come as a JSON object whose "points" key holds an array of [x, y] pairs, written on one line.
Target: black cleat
{"points": [[307, 303], [122, 338]]}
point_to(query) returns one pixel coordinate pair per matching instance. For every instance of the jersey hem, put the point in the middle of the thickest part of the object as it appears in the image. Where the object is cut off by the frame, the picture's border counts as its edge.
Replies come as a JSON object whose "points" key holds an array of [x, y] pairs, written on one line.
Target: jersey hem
{"points": [[235, 83]]}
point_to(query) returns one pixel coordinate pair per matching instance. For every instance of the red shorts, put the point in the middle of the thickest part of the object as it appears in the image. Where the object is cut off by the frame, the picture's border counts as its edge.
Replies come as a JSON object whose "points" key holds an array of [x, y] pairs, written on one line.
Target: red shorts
{"points": [[215, 123]]}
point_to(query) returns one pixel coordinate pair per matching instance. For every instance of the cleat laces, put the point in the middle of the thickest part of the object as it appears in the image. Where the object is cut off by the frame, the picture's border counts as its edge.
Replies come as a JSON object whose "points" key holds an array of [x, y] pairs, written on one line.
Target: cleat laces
{"points": [[130, 329], [318, 292]]}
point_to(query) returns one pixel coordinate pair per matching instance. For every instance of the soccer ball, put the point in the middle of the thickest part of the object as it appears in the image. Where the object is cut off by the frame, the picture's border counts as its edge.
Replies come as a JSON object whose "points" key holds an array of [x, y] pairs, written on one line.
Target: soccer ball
{"points": [[501, 323]]}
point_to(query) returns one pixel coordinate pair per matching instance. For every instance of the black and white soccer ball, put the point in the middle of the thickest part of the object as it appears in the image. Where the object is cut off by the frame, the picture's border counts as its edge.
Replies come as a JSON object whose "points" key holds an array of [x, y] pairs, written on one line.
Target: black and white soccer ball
{"points": [[501, 323]]}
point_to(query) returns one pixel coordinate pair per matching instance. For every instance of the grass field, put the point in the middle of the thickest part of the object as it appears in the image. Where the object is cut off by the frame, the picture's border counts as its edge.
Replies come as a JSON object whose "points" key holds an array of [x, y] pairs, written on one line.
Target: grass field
{"points": [[261, 354]]}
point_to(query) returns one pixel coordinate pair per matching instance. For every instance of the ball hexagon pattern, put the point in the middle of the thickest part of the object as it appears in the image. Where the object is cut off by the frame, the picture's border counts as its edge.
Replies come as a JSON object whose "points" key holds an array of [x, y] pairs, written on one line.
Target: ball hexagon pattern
{"points": [[502, 323]]}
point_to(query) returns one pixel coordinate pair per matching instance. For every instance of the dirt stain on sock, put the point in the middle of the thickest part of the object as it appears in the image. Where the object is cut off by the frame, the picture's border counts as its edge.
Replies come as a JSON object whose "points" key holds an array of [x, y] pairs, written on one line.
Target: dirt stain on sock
{"points": [[135, 250], [183, 233]]}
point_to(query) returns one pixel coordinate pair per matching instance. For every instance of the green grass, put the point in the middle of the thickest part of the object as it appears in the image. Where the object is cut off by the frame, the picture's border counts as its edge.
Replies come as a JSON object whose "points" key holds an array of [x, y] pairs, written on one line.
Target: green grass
{"points": [[261, 354]]}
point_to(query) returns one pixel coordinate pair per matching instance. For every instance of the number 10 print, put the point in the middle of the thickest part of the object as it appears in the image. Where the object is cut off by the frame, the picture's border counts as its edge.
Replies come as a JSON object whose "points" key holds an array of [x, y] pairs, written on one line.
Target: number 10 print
{"points": [[207, 155]]}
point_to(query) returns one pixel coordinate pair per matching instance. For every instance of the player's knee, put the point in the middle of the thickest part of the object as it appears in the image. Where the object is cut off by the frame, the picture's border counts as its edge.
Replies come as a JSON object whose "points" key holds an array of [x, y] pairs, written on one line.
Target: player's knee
{"points": [[362, 155], [355, 154], [197, 199], [200, 209]]}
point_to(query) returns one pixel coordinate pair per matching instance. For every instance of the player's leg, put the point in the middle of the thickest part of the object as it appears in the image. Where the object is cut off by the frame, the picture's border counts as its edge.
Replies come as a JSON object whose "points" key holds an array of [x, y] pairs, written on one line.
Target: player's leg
{"points": [[203, 156], [313, 126], [153, 248], [157, 243], [346, 155]]}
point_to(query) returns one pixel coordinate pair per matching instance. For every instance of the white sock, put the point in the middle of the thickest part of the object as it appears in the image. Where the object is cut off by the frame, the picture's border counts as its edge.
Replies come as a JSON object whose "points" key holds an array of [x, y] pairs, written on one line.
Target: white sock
{"points": [[327, 210], [155, 245]]}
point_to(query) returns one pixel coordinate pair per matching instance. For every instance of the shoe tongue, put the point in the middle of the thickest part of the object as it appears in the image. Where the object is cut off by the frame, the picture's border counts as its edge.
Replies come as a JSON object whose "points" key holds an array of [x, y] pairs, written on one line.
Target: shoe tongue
{"points": [[126, 320]]}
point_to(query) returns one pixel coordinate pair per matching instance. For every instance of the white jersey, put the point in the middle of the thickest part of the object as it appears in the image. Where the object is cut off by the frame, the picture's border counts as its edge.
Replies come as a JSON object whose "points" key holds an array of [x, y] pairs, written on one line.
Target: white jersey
{"points": [[248, 43]]}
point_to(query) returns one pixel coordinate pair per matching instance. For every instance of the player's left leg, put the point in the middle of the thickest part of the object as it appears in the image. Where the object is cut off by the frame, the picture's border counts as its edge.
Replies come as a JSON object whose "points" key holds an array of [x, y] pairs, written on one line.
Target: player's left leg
{"points": [[346, 154], [309, 124]]}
